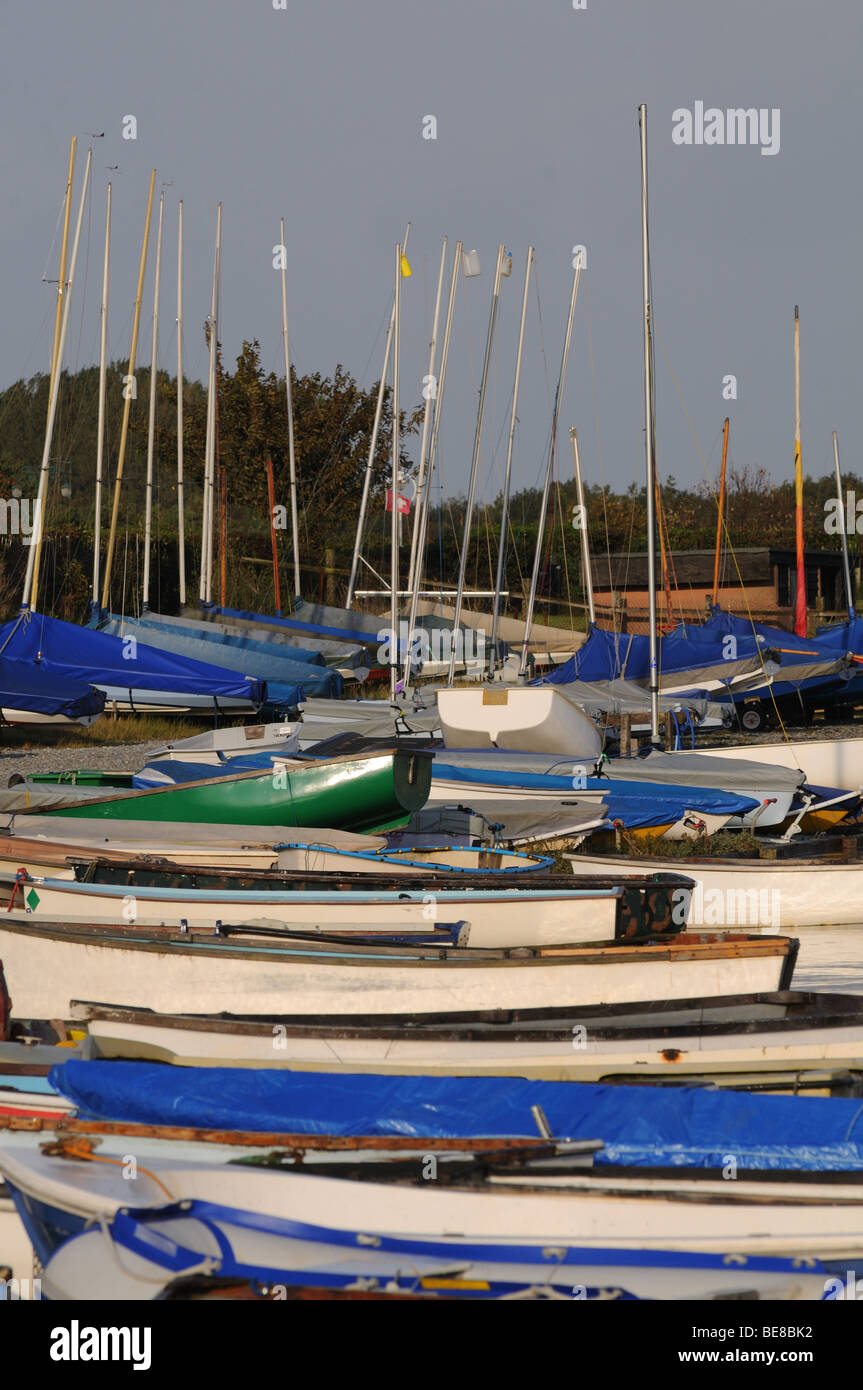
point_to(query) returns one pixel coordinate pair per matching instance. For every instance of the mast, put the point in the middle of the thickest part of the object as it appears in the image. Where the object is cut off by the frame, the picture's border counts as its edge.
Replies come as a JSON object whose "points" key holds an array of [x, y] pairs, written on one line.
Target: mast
{"points": [[64, 246], [364, 501], [431, 391], [272, 492], [474, 467], [127, 405], [223, 536], [151, 425], [546, 491], [721, 516], [208, 515], [291, 454], [800, 604], [650, 464], [394, 523], [849, 592], [34, 554], [587, 577], [103, 383], [504, 515], [181, 524], [423, 518]]}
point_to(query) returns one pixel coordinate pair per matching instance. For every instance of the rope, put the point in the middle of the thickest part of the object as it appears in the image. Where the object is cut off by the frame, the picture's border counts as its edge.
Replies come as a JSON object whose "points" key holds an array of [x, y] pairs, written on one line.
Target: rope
{"points": [[78, 1147]]}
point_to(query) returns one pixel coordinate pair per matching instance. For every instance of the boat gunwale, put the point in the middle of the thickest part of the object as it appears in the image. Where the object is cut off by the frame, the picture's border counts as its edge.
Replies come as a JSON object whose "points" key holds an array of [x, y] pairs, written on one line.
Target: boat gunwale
{"points": [[368, 1028], [700, 945]]}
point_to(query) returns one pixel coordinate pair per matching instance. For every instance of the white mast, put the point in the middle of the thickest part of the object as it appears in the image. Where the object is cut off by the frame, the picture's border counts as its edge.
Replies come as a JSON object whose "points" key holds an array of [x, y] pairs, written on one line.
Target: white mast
{"points": [[128, 396], [151, 425], [181, 526], [587, 578], [394, 527], [423, 517], [103, 383], [31, 579], [650, 465], [513, 420], [206, 585], [849, 592], [474, 468], [552, 448], [430, 394], [291, 454], [361, 519]]}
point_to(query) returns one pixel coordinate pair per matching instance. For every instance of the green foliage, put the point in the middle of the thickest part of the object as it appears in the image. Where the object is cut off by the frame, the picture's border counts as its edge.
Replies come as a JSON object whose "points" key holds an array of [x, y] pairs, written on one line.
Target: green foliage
{"points": [[333, 419]]}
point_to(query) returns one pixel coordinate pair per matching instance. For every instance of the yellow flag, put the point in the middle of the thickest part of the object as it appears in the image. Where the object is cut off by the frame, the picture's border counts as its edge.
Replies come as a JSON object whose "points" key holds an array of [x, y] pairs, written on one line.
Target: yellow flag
{"points": [[406, 270]]}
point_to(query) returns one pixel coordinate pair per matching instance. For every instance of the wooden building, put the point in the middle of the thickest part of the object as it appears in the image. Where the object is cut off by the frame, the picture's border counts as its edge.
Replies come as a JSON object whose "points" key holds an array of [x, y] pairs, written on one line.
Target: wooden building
{"points": [[761, 581]]}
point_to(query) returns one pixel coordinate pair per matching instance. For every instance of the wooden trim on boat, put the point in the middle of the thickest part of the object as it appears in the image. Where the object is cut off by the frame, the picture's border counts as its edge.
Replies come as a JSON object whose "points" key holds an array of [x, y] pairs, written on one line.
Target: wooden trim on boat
{"points": [[39, 1124], [169, 941], [847, 1012]]}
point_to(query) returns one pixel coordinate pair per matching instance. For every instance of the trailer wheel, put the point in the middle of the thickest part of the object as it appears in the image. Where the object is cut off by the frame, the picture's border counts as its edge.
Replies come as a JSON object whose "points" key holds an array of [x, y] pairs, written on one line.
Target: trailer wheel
{"points": [[753, 720], [840, 714]]}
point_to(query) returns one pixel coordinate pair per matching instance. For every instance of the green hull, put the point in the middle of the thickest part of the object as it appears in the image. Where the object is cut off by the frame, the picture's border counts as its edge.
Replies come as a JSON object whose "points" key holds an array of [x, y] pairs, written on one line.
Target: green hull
{"points": [[359, 792]]}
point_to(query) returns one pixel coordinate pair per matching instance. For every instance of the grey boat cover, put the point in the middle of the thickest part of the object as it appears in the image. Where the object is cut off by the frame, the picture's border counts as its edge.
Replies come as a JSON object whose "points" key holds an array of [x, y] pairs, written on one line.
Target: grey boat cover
{"points": [[667, 769], [38, 796], [694, 770], [598, 698], [513, 822], [163, 836], [322, 719]]}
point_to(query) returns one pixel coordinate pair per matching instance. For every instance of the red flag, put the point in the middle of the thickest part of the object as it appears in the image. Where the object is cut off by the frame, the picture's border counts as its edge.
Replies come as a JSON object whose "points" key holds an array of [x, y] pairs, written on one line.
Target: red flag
{"points": [[403, 504]]}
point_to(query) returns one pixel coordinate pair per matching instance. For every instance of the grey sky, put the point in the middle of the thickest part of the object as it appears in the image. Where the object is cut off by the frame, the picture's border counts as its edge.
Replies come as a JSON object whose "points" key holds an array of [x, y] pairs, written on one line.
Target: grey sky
{"points": [[315, 113]]}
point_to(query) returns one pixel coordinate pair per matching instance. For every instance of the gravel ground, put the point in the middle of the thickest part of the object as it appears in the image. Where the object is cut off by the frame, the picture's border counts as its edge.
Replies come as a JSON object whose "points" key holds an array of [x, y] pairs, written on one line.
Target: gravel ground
{"points": [[119, 757]]}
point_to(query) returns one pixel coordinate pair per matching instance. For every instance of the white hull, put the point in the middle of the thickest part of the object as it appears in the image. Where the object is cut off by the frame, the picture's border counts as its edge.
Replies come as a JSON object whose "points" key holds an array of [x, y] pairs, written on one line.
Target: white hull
{"points": [[172, 702], [497, 918], [606, 1211], [833, 762], [48, 966], [410, 862], [16, 1252], [28, 718], [219, 745], [532, 720], [762, 1058], [480, 794], [774, 895], [48, 859]]}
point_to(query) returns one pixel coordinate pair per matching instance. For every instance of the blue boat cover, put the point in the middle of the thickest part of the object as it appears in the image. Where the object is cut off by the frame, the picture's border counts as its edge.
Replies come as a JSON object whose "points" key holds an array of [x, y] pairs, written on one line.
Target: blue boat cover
{"points": [[344, 634], [639, 1125], [25, 687], [208, 632], [267, 664], [708, 799], [369, 635], [689, 648], [66, 650]]}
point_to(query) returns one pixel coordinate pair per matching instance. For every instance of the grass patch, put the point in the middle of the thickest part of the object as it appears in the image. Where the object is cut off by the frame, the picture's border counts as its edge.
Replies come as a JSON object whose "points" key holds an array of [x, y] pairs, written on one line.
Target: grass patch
{"points": [[125, 728], [725, 844]]}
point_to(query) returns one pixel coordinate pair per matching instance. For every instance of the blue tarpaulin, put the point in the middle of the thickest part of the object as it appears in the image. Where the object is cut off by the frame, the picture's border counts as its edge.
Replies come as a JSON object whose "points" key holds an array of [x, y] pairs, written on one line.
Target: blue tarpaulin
{"points": [[79, 653], [665, 803], [638, 1124], [693, 649], [266, 664], [26, 687], [215, 632], [344, 634]]}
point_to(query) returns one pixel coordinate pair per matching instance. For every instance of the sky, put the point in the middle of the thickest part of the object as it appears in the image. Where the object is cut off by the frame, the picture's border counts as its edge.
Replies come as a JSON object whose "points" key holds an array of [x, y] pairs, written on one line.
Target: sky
{"points": [[315, 111]]}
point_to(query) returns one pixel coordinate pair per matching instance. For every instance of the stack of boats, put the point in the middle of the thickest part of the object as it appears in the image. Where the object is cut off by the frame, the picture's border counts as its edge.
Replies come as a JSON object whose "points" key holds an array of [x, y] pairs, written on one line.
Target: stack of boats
{"points": [[291, 1014]]}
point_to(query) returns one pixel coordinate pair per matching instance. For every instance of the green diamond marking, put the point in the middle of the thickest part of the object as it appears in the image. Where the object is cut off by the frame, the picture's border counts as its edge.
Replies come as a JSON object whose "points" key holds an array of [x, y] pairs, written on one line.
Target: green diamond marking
{"points": [[32, 900]]}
